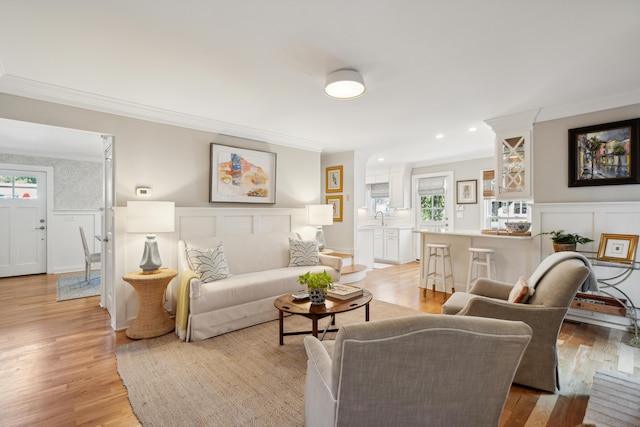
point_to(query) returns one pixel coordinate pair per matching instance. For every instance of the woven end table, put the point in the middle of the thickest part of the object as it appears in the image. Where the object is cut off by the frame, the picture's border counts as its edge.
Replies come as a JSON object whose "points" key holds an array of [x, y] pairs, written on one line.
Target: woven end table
{"points": [[152, 320]]}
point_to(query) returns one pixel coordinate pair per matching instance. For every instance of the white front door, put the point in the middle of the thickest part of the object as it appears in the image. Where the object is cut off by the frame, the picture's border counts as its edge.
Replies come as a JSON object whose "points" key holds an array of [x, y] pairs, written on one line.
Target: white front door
{"points": [[23, 222]]}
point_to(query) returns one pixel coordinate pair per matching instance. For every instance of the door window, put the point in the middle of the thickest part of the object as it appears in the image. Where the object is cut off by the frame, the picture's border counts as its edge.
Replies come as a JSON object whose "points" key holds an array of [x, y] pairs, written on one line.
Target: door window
{"points": [[18, 187]]}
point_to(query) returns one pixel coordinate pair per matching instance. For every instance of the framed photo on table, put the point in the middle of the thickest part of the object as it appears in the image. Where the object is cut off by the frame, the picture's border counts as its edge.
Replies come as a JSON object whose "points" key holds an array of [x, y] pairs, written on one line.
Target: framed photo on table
{"points": [[242, 176], [605, 154], [333, 179], [618, 248], [336, 202], [467, 191]]}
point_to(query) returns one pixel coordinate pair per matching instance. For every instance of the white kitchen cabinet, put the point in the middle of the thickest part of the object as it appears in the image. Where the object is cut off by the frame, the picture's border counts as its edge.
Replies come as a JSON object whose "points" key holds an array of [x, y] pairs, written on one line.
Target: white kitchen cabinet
{"points": [[377, 175], [393, 245], [514, 164], [400, 187], [378, 243]]}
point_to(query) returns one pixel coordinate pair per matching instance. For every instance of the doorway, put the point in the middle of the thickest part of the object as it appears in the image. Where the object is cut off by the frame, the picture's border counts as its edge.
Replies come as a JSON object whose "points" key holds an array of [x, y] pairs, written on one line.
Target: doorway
{"points": [[23, 220]]}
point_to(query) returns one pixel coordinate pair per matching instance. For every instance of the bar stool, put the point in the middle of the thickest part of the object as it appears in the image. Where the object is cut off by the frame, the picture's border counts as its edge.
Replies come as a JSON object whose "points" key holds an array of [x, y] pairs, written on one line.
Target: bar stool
{"points": [[439, 254], [478, 257]]}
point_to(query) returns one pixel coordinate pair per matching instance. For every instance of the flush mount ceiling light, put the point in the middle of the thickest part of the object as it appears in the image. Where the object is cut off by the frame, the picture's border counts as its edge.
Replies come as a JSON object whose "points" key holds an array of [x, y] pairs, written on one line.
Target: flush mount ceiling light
{"points": [[344, 84]]}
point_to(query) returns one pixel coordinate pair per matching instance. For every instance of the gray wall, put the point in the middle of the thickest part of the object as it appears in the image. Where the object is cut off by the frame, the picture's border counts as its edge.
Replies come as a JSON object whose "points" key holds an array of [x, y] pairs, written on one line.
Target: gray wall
{"points": [[77, 184], [462, 171], [550, 145], [173, 161]]}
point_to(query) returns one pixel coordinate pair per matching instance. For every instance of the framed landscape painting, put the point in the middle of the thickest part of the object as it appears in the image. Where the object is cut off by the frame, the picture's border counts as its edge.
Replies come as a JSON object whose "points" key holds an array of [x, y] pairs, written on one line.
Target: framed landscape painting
{"points": [[240, 175], [605, 154]]}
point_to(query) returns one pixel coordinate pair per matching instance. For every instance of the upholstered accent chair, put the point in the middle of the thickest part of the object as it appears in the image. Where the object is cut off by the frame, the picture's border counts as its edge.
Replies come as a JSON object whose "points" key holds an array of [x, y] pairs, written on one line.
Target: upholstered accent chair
{"points": [[557, 279], [420, 370]]}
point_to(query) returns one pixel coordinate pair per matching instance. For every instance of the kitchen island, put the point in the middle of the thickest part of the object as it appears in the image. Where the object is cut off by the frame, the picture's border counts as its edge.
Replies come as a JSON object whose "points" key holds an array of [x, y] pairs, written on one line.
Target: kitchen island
{"points": [[515, 256]]}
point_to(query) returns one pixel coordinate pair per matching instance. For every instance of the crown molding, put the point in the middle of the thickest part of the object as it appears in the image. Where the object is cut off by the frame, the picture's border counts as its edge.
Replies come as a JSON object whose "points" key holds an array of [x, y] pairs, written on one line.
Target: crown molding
{"points": [[589, 106], [528, 118], [19, 86]]}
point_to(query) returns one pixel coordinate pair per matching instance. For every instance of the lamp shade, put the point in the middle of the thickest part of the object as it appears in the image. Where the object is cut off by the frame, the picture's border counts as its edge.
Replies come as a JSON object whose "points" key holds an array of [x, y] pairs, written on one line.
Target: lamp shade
{"points": [[344, 84], [150, 217], [319, 214]]}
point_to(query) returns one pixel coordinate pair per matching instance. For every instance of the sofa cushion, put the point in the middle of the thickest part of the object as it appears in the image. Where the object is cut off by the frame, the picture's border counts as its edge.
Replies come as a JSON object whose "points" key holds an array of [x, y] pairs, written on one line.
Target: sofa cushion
{"points": [[249, 253], [210, 264], [244, 288], [303, 253], [520, 292]]}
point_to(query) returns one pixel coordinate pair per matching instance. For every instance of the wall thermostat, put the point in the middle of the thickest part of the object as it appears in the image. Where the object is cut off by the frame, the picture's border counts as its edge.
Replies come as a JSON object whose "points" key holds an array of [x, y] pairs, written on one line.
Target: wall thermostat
{"points": [[143, 191]]}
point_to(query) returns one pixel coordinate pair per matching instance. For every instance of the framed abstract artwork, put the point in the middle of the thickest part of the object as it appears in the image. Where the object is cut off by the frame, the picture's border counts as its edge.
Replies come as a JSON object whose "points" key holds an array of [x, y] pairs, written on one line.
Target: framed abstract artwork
{"points": [[605, 154], [240, 175], [333, 179]]}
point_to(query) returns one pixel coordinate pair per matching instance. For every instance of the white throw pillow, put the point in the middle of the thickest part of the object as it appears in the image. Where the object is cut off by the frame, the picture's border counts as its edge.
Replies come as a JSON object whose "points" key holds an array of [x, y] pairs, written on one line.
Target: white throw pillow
{"points": [[520, 292], [303, 253], [210, 264]]}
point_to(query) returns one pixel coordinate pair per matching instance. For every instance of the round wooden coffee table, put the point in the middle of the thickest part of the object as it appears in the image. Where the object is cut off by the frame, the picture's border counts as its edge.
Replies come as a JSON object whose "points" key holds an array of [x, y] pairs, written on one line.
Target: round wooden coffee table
{"points": [[331, 307]]}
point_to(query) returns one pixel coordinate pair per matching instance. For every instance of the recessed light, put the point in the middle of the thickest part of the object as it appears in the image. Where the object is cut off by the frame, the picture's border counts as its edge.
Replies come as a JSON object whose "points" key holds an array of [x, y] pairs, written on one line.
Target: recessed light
{"points": [[473, 129], [381, 159], [439, 136]]}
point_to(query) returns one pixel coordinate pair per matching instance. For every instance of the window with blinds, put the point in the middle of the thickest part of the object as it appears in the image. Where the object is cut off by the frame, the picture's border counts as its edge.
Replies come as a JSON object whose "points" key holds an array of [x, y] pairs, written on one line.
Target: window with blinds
{"points": [[431, 191], [379, 198]]}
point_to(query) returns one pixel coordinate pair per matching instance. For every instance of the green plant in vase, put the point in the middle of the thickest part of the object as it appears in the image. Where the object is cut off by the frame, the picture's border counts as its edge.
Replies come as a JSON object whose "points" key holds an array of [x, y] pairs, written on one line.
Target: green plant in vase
{"points": [[317, 284], [565, 241]]}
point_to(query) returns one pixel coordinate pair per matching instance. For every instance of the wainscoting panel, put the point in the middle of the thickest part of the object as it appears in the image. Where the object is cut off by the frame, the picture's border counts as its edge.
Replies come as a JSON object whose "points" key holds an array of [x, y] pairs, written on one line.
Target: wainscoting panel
{"points": [[592, 220]]}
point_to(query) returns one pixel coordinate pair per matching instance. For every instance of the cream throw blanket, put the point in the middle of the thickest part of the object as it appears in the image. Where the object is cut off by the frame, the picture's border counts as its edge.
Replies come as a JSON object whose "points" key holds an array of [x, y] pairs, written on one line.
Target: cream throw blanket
{"points": [[590, 283], [182, 309]]}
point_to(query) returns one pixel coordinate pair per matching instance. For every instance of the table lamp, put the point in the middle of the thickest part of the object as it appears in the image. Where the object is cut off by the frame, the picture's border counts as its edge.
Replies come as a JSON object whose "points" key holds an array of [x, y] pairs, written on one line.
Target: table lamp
{"points": [[320, 215], [150, 218]]}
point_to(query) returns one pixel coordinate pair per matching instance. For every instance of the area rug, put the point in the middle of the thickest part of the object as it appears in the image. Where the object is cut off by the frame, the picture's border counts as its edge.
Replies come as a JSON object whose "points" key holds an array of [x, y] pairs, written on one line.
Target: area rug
{"points": [[380, 265], [72, 285], [243, 378], [614, 400]]}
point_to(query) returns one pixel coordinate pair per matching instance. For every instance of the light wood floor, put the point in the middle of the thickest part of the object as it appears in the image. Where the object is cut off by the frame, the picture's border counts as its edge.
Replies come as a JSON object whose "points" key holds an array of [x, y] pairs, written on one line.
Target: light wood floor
{"points": [[58, 368]]}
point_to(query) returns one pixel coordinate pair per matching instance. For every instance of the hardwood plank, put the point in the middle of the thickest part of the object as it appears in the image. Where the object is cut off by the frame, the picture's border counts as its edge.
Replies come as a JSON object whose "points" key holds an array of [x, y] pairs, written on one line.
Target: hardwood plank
{"points": [[57, 359]]}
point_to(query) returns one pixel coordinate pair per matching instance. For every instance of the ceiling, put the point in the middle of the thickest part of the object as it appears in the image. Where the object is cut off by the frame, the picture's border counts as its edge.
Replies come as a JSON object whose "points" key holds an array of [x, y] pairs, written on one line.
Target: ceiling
{"points": [[256, 68]]}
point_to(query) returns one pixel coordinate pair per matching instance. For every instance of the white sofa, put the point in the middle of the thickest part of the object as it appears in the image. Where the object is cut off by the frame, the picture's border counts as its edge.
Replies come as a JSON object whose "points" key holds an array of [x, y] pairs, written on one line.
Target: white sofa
{"points": [[260, 272]]}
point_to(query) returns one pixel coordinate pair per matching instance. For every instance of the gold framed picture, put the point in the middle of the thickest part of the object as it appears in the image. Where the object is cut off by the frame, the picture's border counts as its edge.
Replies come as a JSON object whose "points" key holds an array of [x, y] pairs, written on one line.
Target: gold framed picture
{"points": [[618, 248], [336, 202], [333, 180]]}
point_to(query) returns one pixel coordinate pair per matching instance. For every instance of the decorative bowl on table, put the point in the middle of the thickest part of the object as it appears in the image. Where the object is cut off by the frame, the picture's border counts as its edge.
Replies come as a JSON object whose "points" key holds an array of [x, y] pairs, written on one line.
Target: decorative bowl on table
{"points": [[518, 227]]}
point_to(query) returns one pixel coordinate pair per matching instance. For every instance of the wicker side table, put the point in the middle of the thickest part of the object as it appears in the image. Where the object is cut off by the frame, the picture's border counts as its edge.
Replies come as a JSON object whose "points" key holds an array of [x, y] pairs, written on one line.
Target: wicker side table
{"points": [[152, 320]]}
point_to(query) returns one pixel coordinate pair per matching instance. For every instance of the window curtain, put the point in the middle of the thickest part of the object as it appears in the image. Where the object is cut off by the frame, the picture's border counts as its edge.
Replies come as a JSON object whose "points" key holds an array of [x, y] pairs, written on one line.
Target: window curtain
{"points": [[379, 190], [431, 186]]}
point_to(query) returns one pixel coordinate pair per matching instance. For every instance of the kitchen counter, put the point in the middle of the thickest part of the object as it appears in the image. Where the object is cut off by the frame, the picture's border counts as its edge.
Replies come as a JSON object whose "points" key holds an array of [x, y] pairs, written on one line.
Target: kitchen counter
{"points": [[397, 227], [474, 233], [514, 254]]}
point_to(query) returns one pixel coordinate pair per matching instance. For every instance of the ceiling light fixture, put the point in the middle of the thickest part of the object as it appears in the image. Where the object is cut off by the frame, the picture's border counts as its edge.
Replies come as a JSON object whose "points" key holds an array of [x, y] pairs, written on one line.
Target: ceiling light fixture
{"points": [[344, 84]]}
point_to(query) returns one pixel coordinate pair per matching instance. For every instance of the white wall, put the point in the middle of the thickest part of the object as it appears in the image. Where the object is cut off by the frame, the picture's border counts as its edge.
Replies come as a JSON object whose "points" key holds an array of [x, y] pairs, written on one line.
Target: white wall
{"points": [[341, 236], [64, 231], [173, 161]]}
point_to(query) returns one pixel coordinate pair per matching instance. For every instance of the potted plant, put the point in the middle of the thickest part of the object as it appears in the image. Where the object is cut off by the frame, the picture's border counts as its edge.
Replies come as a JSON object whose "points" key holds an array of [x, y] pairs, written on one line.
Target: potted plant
{"points": [[565, 241], [317, 284]]}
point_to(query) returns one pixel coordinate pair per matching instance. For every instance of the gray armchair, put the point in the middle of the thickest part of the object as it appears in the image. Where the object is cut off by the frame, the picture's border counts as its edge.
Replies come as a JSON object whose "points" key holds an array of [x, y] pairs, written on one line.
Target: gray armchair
{"points": [[558, 278], [422, 370]]}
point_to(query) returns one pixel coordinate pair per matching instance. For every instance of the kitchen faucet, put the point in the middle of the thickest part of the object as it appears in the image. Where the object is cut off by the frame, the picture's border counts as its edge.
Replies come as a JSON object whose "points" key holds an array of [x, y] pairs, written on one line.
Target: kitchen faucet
{"points": [[376, 217]]}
